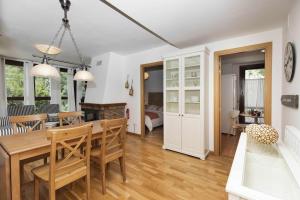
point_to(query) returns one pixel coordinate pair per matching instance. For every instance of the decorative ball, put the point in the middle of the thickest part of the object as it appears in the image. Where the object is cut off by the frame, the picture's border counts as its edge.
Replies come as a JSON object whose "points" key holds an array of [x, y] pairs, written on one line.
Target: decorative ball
{"points": [[263, 133]]}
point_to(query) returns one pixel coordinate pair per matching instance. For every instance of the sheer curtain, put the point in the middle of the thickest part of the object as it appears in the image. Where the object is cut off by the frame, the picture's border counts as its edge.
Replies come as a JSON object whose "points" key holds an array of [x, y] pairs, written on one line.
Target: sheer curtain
{"points": [[254, 93], [71, 96], [2, 88]]}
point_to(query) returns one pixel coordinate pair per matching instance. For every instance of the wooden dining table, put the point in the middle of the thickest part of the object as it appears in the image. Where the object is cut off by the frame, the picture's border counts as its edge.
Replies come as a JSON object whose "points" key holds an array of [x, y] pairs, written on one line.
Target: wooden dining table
{"points": [[255, 117], [18, 147]]}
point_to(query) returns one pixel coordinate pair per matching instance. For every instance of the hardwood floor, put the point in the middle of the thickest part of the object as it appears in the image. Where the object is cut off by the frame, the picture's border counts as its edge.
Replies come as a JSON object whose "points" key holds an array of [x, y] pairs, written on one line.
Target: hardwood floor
{"points": [[152, 173], [229, 144]]}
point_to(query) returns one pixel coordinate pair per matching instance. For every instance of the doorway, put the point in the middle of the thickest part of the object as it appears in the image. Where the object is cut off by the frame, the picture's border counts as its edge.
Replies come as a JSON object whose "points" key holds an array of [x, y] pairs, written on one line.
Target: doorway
{"points": [[151, 76], [239, 110]]}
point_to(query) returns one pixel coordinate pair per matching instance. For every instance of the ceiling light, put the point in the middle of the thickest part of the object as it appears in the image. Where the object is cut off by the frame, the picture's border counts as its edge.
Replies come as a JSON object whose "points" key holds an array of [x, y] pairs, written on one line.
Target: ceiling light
{"points": [[146, 75], [45, 70], [83, 75], [47, 49]]}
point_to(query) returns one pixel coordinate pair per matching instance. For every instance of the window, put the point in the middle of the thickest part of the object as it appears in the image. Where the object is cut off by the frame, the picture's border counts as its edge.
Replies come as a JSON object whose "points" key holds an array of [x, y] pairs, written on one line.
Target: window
{"points": [[14, 82], [64, 89], [254, 92], [41, 91]]}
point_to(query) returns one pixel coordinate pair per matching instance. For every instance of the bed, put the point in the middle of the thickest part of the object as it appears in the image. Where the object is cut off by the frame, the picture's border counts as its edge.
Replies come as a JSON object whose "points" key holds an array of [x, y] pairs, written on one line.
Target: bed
{"points": [[154, 110]]}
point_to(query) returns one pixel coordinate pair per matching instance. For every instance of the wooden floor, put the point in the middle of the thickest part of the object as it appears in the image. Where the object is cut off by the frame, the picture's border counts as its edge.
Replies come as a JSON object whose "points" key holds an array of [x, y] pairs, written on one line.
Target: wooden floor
{"points": [[152, 173], [229, 144]]}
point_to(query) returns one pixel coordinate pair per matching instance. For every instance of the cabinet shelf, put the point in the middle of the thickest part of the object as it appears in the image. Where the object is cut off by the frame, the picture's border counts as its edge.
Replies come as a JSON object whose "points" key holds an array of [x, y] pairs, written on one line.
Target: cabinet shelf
{"points": [[197, 77], [172, 79], [192, 102], [190, 66], [172, 68]]}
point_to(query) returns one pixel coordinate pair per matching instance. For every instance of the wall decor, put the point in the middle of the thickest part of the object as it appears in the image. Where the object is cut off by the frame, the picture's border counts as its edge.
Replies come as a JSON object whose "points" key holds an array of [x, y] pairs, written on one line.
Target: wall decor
{"points": [[131, 89], [290, 100], [289, 61], [127, 83]]}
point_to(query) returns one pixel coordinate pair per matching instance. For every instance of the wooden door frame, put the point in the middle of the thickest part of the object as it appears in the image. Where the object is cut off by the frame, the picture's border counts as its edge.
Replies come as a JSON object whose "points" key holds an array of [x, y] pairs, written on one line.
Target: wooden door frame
{"points": [[142, 104], [217, 86]]}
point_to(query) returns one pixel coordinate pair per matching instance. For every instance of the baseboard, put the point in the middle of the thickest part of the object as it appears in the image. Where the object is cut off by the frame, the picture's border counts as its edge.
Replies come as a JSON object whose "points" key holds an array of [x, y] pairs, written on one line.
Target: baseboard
{"points": [[133, 134]]}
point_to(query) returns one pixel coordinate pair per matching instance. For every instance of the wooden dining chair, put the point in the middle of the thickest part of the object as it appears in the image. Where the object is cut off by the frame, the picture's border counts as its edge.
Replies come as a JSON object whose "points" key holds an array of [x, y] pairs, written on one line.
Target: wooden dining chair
{"points": [[74, 166], [28, 124], [112, 147], [69, 118]]}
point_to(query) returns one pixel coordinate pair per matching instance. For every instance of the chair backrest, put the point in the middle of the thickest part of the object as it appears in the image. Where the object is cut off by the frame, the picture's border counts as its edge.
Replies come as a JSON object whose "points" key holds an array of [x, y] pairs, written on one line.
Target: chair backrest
{"points": [[28, 123], [69, 118], [113, 137], [70, 138], [234, 116], [13, 110]]}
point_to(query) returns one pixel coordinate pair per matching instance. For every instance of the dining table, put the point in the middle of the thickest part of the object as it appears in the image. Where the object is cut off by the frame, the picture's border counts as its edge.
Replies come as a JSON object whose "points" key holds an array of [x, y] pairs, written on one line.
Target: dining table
{"points": [[255, 117], [18, 147]]}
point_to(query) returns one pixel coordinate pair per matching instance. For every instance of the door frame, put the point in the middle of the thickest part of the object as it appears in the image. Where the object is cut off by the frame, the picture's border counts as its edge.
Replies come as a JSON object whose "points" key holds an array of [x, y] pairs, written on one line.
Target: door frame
{"points": [[217, 86], [143, 67]]}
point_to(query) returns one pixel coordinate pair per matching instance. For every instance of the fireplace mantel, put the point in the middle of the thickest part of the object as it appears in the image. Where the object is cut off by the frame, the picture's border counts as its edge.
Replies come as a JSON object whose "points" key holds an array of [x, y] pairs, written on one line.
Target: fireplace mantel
{"points": [[94, 111]]}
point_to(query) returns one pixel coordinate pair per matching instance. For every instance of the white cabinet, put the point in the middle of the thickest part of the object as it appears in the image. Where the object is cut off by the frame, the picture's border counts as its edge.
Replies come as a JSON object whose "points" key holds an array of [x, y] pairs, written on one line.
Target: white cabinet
{"points": [[185, 106]]}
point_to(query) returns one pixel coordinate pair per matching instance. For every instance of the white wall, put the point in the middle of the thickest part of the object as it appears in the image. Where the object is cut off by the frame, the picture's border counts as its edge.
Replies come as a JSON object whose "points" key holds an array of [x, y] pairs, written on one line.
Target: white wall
{"points": [[154, 83], [134, 61], [109, 84], [291, 32]]}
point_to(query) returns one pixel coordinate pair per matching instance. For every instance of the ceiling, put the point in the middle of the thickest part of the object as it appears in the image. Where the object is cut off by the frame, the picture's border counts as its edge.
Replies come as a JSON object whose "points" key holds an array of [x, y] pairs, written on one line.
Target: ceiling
{"points": [[96, 27], [190, 22], [99, 29]]}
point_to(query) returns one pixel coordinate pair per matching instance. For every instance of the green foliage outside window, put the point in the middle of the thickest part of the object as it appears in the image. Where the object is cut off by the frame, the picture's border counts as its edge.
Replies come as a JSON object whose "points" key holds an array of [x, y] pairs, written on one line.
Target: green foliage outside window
{"points": [[255, 74], [14, 83], [42, 89]]}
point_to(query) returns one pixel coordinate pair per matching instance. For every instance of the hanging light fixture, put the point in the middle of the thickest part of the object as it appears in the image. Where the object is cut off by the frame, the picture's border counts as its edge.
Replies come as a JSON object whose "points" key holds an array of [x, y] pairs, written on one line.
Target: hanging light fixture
{"points": [[46, 70], [83, 75]]}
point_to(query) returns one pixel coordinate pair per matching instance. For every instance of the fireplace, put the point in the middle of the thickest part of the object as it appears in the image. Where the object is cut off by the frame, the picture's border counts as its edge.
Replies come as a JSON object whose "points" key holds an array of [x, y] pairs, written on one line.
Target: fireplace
{"points": [[94, 111]]}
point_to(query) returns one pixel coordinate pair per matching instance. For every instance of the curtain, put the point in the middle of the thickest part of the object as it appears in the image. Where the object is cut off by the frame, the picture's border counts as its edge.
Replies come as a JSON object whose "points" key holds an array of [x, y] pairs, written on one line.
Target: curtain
{"points": [[71, 96], [28, 84], [3, 103], [254, 93]]}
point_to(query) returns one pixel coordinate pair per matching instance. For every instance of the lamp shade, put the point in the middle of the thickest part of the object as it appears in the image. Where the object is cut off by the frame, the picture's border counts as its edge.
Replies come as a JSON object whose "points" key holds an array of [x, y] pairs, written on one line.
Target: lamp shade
{"points": [[146, 75], [83, 75], [45, 70], [46, 49]]}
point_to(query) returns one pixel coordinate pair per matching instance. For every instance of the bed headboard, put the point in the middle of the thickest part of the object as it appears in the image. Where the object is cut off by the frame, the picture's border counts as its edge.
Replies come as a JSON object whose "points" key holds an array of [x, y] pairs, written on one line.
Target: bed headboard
{"points": [[155, 98]]}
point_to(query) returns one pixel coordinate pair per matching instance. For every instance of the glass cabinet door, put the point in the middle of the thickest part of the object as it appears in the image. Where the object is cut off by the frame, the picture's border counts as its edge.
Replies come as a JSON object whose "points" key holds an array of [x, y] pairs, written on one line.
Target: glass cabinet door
{"points": [[172, 85], [192, 85]]}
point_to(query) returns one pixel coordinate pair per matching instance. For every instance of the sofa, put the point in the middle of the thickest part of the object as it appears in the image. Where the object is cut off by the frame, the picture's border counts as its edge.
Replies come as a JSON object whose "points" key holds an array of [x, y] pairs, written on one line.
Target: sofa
{"points": [[5, 126]]}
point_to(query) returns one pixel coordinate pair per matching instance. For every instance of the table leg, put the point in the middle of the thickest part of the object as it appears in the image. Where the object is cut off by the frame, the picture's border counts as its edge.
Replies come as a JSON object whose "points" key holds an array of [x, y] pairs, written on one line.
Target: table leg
{"points": [[15, 177]]}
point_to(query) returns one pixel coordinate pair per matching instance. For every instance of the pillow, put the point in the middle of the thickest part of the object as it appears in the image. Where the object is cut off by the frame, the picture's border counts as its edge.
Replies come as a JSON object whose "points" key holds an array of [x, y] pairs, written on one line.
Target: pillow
{"points": [[160, 109], [152, 107]]}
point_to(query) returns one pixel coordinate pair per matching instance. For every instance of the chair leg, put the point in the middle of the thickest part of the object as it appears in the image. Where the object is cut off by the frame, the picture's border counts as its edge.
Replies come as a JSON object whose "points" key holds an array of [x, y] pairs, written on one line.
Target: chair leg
{"points": [[36, 189], [122, 167], [51, 194], [103, 178], [88, 186]]}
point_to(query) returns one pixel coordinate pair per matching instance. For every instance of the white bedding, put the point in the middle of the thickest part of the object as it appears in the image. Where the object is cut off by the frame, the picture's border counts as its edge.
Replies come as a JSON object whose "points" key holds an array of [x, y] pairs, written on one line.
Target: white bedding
{"points": [[150, 124]]}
